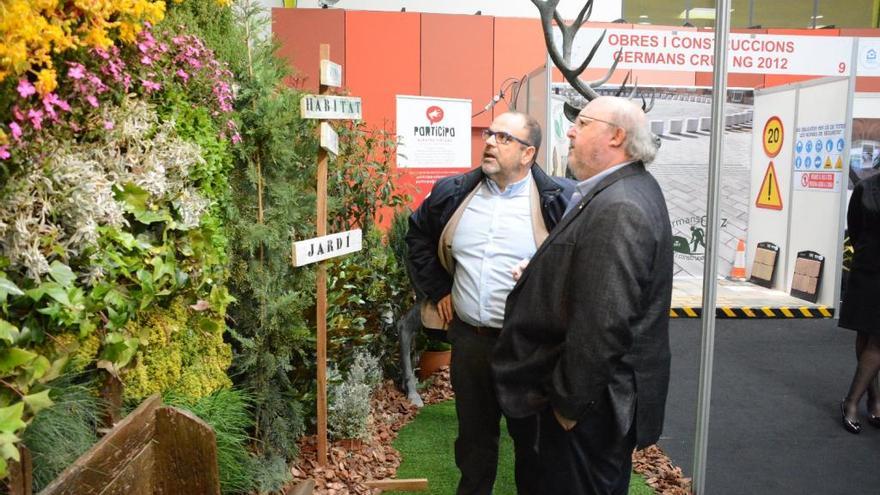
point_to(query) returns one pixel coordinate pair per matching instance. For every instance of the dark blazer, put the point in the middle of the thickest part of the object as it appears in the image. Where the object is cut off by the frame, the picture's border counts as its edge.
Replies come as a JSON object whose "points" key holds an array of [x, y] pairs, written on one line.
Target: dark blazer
{"points": [[860, 310], [586, 328], [427, 222]]}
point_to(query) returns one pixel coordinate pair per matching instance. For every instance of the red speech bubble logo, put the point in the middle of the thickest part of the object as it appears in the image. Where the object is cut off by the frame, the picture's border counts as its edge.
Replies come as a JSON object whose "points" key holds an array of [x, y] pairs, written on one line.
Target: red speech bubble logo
{"points": [[434, 114]]}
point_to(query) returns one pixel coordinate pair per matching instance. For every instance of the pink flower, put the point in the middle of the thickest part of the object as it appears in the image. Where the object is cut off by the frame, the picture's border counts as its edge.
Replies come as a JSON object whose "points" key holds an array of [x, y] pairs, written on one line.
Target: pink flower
{"points": [[108, 125], [16, 130], [75, 71], [183, 75], [4, 153], [151, 86], [146, 60], [52, 99], [102, 53], [236, 138], [25, 88], [17, 113], [36, 117], [92, 100]]}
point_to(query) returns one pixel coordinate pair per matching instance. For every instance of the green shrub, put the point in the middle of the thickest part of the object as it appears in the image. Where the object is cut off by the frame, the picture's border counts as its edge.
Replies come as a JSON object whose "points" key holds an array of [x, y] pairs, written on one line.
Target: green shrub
{"points": [[184, 354], [228, 413], [57, 436]]}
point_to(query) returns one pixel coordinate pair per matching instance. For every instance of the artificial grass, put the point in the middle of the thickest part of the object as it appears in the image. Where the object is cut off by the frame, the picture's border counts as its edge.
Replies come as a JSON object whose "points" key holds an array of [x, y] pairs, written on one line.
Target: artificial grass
{"points": [[427, 445]]}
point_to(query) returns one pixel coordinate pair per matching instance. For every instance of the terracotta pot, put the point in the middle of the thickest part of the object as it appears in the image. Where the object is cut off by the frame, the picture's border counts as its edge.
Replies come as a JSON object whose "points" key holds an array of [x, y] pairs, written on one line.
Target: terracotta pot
{"points": [[431, 361]]}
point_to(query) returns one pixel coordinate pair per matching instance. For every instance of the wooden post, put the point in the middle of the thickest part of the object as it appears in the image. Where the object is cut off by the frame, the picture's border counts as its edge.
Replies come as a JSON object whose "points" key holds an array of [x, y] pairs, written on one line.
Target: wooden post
{"points": [[321, 281], [323, 107]]}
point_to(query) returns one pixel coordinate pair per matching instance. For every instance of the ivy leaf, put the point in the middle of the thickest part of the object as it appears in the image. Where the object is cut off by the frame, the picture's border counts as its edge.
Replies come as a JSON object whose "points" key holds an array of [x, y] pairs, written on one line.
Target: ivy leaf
{"points": [[8, 287], [36, 293], [61, 273], [14, 357], [39, 367], [118, 350], [147, 217], [10, 420], [38, 401], [134, 197], [58, 293], [8, 331]]}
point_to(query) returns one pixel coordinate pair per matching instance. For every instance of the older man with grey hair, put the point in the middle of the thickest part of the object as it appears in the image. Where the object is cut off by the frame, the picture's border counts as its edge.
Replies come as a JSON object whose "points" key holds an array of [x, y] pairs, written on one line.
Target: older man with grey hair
{"points": [[585, 341]]}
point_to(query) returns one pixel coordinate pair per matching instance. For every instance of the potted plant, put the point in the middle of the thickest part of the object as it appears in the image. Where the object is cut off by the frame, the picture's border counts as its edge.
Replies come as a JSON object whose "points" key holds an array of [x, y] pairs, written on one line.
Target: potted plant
{"points": [[436, 355]]}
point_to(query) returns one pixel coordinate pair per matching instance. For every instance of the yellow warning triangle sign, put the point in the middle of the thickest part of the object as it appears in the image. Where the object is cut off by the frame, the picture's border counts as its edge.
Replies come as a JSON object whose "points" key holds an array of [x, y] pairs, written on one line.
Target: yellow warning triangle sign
{"points": [[769, 196], [839, 164], [827, 162]]}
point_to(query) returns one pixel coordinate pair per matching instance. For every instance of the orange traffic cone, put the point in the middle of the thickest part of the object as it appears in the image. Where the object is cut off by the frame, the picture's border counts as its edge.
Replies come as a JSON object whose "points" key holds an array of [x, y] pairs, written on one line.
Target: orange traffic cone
{"points": [[738, 270]]}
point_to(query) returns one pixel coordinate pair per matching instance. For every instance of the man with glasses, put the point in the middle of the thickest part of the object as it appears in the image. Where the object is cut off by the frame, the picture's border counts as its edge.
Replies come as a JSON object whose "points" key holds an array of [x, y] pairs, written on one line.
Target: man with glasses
{"points": [[465, 241], [585, 344]]}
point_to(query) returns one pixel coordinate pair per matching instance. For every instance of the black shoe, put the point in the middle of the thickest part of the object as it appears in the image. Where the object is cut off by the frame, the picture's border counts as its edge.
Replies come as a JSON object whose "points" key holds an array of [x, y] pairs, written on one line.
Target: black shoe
{"points": [[874, 420], [849, 425]]}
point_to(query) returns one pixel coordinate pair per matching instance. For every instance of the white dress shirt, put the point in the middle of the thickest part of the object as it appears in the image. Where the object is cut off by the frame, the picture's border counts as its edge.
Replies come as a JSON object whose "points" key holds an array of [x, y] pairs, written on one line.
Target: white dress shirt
{"points": [[494, 234]]}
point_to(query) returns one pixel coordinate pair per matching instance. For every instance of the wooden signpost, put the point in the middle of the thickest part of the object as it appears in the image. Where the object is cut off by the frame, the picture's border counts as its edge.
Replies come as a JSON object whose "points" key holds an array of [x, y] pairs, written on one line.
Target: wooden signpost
{"points": [[324, 106]]}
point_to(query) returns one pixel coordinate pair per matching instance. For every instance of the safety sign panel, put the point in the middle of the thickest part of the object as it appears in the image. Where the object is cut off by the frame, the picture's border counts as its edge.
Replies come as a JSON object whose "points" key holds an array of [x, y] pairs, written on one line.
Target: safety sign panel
{"points": [[818, 159], [773, 136], [769, 195], [828, 181]]}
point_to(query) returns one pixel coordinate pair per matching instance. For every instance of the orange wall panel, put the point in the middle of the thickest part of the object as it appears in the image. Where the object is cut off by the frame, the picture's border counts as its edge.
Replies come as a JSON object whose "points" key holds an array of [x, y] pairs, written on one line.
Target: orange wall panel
{"points": [[457, 59], [382, 61], [519, 49], [300, 33]]}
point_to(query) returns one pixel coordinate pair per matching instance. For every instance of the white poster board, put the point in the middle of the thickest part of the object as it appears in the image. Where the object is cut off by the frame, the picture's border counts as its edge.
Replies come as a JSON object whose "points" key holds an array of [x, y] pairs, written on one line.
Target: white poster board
{"points": [[690, 51], [814, 117], [770, 224], [815, 215], [433, 132]]}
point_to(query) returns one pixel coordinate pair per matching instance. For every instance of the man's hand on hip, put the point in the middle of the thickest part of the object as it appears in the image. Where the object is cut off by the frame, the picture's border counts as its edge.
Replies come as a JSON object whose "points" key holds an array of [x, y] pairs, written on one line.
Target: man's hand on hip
{"points": [[444, 307], [565, 423]]}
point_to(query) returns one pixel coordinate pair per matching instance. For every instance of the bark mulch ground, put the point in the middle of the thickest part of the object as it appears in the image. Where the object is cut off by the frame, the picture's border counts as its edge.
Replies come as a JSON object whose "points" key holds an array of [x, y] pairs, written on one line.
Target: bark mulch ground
{"points": [[351, 463]]}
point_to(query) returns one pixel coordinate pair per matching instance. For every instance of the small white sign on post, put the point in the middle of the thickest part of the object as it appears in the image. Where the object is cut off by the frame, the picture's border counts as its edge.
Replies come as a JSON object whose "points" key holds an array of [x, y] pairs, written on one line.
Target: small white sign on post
{"points": [[330, 107], [331, 74], [326, 247], [329, 139]]}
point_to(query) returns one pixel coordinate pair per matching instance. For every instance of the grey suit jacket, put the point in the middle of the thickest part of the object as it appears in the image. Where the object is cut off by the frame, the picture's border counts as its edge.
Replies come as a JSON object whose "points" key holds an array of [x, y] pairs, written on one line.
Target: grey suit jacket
{"points": [[586, 328]]}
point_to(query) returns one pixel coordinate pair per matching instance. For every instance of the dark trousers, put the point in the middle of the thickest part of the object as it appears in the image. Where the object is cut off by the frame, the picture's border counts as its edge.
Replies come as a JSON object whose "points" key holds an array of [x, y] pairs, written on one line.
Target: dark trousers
{"points": [[479, 419], [591, 459]]}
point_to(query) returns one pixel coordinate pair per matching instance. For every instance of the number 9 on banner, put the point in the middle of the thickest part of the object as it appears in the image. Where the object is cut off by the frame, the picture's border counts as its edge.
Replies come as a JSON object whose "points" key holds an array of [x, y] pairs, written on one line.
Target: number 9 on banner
{"points": [[773, 136]]}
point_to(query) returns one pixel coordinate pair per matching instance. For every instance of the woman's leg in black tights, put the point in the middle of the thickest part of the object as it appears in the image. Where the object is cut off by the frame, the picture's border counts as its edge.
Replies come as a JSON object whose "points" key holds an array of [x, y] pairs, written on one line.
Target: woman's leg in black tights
{"points": [[874, 389], [866, 373]]}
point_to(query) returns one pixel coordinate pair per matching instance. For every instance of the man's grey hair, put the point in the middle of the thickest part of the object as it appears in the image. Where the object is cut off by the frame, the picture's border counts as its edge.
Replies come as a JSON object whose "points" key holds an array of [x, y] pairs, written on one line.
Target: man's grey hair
{"points": [[640, 143], [533, 128]]}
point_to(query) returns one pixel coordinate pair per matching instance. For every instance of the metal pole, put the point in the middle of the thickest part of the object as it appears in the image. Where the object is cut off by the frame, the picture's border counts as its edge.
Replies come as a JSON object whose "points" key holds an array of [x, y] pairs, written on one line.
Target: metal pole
{"points": [[815, 12], [751, 13], [710, 269], [844, 174], [687, 12]]}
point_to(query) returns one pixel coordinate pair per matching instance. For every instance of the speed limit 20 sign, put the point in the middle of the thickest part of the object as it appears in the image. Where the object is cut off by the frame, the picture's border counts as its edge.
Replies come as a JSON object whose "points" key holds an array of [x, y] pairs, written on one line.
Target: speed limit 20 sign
{"points": [[773, 136]]}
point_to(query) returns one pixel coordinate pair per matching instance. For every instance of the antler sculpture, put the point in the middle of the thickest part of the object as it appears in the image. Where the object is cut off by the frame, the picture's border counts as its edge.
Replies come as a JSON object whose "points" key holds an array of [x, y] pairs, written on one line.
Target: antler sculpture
{"points": [[548, 11]]}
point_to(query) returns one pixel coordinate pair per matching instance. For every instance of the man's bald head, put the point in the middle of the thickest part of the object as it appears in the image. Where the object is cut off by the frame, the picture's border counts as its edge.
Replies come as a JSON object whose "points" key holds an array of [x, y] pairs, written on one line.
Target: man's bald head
{"points": [[607, 132]]}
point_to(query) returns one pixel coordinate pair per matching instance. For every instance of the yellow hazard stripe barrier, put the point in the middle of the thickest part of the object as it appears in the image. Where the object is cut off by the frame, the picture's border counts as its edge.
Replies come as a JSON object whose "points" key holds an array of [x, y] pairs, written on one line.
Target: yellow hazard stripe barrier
{"points": [[763, 312]]}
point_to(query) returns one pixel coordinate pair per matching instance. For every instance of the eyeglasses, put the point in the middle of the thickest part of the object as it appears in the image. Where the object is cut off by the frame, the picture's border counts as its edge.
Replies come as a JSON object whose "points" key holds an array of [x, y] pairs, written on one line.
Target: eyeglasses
{"points": [[502, 137], [584, 121]]}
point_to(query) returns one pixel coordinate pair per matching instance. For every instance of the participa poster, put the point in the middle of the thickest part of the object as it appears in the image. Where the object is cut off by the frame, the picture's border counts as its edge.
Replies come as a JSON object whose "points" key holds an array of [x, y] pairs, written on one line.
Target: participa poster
{"points": [[433, 132]]}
